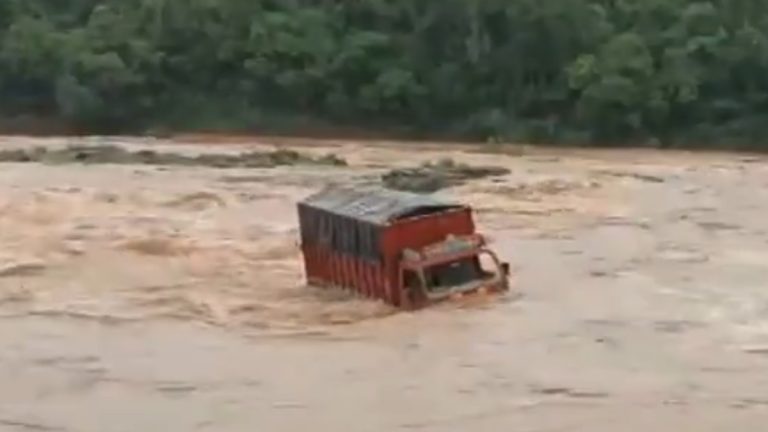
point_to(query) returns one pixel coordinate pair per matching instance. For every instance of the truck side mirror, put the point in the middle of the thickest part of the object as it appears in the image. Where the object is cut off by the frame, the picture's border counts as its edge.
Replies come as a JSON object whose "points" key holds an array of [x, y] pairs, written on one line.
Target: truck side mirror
{"points": [[505, 269]]}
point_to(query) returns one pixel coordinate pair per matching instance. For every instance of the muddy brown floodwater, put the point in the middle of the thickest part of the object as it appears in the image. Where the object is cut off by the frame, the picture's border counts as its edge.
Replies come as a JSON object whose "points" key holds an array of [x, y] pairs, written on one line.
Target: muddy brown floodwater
{"points": [[151, 298]]}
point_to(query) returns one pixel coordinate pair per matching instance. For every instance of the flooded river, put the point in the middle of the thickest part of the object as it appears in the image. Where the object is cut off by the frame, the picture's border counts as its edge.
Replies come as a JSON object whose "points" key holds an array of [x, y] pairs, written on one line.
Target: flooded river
{"points": [[172, 299]]}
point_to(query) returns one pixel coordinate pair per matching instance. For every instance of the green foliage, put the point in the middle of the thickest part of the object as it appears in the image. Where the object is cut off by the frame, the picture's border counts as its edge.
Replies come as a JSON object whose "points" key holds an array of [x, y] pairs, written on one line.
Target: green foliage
{"points": [[664, 71]]}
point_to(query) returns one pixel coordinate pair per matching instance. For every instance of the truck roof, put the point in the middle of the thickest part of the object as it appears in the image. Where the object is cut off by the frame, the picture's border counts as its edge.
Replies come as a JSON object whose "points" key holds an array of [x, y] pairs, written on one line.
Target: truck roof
{"points": [[375, 205]]}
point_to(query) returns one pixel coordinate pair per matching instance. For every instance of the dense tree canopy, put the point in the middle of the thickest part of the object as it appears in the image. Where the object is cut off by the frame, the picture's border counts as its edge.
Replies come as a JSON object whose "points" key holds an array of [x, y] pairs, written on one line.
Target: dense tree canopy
{"points": [[639, 71]]}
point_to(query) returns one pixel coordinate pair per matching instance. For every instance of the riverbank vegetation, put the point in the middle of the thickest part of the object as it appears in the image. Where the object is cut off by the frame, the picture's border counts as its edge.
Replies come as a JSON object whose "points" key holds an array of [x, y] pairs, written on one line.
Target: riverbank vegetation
{"points": [[655, 72]]}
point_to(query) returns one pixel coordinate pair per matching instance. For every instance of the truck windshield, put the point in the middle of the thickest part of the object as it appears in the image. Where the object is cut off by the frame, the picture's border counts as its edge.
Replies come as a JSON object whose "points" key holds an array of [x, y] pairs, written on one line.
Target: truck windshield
{"points": [[447, 275]]}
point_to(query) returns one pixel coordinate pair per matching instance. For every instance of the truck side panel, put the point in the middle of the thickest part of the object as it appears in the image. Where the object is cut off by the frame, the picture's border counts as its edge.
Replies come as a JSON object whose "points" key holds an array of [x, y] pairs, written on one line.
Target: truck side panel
{"points": [[326, 268]]}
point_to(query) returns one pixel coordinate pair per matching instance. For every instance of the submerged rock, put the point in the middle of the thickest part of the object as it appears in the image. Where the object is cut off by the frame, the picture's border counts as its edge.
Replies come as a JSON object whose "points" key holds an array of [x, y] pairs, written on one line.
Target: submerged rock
{"points": [[109, 154], [432, 177]]}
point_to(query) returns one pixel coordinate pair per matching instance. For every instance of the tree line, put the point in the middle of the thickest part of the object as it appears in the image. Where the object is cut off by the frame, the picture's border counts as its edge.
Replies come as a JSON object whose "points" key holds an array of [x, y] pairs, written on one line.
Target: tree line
{"points": [[656, 72]]}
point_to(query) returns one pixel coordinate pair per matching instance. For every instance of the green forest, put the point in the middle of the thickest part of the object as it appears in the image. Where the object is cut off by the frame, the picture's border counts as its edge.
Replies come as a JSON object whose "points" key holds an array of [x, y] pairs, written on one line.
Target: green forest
{"points": [[616, 72]]}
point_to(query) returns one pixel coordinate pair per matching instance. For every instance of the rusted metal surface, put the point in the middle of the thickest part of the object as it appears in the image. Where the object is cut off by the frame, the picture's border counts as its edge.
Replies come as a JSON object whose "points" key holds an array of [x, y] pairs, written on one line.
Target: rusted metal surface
{"points": [[358, 239], [375, 205], [452, 245]]}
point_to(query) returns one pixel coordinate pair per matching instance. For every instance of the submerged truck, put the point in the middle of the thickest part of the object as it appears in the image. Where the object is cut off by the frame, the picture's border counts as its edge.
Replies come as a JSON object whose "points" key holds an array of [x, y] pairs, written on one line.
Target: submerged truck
{"points": [[405, 249]]}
